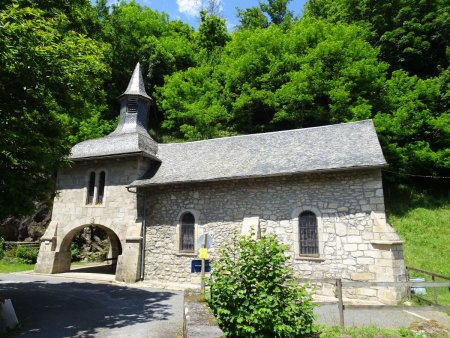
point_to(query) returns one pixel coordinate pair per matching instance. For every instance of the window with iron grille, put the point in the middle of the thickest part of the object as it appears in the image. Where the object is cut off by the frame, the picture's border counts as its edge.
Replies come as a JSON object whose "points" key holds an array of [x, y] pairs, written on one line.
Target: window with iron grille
{"points": [[91, 188], [187, 232], [309, 245], [101, 188]]}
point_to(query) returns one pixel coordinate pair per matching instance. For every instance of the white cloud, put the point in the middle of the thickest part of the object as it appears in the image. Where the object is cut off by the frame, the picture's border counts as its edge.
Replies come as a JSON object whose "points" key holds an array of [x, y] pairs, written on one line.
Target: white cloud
{"points": [[193, 7], [189, 7]]}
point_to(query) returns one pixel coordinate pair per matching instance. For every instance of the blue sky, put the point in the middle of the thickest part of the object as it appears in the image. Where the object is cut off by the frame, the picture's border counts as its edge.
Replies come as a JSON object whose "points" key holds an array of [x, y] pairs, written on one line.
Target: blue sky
{"points": [[187, 10]]}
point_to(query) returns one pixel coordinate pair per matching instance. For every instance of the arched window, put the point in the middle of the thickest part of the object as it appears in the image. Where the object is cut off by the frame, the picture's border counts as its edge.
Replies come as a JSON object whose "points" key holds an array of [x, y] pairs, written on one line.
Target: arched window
{"points": [[101, 188], [91, 188], [187, 230], [309, 244]]}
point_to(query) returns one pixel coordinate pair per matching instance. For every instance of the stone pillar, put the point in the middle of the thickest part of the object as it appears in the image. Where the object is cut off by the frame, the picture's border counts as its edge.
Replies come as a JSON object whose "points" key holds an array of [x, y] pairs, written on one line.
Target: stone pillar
{"points": [[49, 260], [129, 263]]}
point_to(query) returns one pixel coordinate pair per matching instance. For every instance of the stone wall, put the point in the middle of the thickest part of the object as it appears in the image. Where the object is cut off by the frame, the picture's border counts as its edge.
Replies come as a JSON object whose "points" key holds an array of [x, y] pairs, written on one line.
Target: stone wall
{"points": [[117, 214], [355, 242]]}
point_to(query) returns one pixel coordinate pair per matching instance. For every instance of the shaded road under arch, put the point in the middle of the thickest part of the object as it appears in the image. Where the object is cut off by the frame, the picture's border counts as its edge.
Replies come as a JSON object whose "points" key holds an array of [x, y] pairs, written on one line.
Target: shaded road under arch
{"points": [[48, 306]]}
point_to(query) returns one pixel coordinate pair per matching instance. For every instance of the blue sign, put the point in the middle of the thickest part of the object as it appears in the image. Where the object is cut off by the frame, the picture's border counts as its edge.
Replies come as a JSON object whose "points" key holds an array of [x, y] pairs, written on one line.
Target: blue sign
{"points": [[196, 265]]}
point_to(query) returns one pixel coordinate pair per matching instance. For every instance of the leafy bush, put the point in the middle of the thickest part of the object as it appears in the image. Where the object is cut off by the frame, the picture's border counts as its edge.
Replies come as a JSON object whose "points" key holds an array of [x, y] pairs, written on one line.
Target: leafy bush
{"points": [[75, 252], [2, 247], [254, 292], [27, 255]]}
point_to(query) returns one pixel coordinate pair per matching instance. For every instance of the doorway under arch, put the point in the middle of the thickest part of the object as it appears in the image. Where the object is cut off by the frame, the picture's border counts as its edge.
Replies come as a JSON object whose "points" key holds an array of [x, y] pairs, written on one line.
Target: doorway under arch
{"points": [[108, 264]]}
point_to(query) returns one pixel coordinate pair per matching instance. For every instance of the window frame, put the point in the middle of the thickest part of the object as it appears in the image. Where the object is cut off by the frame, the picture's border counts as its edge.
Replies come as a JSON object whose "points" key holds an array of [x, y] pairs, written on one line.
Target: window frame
{"points": [[183, 226], [90, 188], [95, 202], [295, 218], [178, 233], [311, 231]]}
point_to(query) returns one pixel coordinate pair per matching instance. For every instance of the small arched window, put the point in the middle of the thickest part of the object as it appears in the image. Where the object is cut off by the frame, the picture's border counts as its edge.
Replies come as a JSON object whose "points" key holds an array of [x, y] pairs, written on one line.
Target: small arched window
{"points": [[101, 188], [91, 188], [309, 244], [187, 232]]}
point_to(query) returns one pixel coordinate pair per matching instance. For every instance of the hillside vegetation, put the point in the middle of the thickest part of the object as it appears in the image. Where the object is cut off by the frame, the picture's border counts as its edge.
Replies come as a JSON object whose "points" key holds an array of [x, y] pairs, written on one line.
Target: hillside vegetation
{"points": [[342, 60], [426, 232], [423, 222]]}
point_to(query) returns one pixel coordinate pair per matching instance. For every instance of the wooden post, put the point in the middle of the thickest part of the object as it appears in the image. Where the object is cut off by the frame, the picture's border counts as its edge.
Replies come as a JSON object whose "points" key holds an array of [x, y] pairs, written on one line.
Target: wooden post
{"points": [[340, 301], [202, 283], [408, 289], [434, 291]]}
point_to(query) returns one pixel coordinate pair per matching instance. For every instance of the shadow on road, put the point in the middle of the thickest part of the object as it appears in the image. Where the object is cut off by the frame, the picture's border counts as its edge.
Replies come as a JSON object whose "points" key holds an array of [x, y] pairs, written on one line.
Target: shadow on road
{"points": [[69, 309], [103, 269]]}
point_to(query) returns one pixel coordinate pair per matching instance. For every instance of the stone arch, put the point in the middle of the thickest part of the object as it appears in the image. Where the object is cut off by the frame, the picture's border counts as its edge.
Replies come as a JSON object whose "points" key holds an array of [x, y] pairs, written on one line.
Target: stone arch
{"points": [[54, 254], [116, 245]]}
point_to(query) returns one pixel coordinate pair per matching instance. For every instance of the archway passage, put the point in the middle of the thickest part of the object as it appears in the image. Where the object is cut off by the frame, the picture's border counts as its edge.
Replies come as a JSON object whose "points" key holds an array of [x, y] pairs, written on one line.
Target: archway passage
{"points": [[95, 249], [92, 249]]}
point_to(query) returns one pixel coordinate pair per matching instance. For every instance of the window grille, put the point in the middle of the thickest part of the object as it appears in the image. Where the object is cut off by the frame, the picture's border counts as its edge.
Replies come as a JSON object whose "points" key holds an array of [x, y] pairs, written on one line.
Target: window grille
{"points": [[132, 105], [187, 233], [101, 188], [308, 234], [91, 189]]}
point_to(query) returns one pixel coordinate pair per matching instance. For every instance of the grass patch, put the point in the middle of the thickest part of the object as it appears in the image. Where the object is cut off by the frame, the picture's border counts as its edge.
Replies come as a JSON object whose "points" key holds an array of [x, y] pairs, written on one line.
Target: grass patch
{"points": [[423, 222], [364, 332], [7, 266]]}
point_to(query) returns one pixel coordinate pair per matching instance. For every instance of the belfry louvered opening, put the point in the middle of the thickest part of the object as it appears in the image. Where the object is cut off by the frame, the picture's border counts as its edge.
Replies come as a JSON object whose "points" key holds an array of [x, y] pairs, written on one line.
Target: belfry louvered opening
{"points": [[132, 105]]}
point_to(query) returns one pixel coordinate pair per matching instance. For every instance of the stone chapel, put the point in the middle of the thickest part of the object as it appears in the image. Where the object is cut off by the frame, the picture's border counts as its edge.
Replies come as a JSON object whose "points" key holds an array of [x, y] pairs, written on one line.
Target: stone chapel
{"points": [[318, 189]]}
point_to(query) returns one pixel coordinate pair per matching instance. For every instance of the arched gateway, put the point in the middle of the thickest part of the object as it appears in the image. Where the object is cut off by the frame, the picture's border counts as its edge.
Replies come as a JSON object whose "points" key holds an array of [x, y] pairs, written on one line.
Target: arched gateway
{"points": [[104, 168]]}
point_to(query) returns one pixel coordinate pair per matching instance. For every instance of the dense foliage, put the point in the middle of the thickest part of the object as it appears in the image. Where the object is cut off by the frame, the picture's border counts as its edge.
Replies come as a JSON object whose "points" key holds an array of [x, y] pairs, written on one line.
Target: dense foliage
{"points": [[51, 78], [254, 292], [345, 60]]}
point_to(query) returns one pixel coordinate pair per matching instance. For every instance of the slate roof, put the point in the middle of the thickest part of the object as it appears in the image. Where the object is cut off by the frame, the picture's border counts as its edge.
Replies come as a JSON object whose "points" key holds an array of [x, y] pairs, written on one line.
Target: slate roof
{"points": [[136, 84], [116, 145], [130, 136], [333, 147]]}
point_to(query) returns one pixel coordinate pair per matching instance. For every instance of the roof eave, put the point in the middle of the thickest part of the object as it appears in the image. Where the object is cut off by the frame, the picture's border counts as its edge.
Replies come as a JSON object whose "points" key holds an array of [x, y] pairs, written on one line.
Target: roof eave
{"points": [[119, 155], [228, 178]]}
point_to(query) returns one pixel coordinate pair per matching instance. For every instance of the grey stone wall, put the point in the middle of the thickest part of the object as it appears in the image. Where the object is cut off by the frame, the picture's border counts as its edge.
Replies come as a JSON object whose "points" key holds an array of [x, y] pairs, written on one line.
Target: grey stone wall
{"points": [[355, 242], [118, 214]]}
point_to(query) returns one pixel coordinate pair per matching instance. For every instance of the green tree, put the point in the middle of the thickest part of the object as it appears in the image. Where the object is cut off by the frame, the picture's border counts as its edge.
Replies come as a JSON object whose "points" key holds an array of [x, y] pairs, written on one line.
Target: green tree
{"points": [[252, 18], [312, 74], [51, 78], [414, 123], [212, 32], [255, 294], [412, 35], [138, 33], [257, 17]]}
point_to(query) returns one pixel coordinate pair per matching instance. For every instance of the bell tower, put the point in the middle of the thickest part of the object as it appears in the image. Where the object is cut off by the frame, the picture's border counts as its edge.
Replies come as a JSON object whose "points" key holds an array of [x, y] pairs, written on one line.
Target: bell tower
{"points": [[134, 106]]}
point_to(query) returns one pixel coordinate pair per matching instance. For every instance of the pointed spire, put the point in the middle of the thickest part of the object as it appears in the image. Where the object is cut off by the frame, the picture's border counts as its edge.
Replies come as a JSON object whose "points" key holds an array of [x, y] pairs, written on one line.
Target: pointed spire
{"points": [[136, 84]]}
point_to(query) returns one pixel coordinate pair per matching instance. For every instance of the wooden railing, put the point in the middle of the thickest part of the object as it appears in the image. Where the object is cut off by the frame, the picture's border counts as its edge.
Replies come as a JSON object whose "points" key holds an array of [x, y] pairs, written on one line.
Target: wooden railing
{"points": [[9, 244], [341, 284], [434, 284]]}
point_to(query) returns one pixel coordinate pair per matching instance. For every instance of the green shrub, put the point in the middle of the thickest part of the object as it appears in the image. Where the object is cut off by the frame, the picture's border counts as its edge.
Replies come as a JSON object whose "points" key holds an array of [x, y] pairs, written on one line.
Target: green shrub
{"points": [[27, 255], [254, 292], [75, 252], [2, 247]]}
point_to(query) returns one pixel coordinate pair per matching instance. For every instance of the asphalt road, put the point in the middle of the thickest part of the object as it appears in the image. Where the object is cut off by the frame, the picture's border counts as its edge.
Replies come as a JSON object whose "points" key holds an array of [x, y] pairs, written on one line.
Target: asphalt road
{"points": [[57, 307]]}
